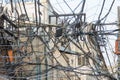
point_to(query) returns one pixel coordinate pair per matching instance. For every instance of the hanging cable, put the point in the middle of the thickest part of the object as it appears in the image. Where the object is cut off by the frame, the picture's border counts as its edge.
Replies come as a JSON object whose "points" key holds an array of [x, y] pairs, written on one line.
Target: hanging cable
{"points": [[39, 13], [78, 6], [101, 9], [82, 9], [20, 6], [108, 10], [11, 5], [54, 12], [60, 6], [25, 10], [69, 8], [36, 15]]}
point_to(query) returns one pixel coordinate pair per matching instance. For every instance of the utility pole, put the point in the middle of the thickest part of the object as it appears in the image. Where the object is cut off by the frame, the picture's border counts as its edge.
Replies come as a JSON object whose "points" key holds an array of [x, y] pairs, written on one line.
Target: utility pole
{"points": [[118, 38], [44, 19]]}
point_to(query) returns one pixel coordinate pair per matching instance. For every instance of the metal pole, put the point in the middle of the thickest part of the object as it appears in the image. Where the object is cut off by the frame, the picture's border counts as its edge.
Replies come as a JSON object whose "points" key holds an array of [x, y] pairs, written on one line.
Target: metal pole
{"points": [[118, 67], [38, 68], [118, 61]]}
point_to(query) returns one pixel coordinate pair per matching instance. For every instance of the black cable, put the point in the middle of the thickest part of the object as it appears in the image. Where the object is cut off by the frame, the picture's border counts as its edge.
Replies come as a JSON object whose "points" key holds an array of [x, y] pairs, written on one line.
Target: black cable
{"points": [[102, 37], [8, 20], [82, 9], [108, 10], [101, 9], [20, 6], [77, 6], [8, 32], [84, 52], [39, 13], [36, 16], [69, 8], [59, 67], [93, 43], [54, 12], [18, 22], [11, 4], [62, 54], [88, 54], [60, 6], [52, 53], [51, 10], [83, 6], [25, 10]]}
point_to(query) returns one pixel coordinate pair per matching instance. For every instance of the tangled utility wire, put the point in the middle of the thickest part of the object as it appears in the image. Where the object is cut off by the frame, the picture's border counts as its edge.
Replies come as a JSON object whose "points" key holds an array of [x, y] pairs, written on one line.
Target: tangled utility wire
{"points": [[34, 55]]}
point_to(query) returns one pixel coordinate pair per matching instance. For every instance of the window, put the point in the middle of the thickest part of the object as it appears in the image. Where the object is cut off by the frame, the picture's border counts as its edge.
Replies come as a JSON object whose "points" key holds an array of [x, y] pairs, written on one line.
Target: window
{"points": [[82, 60]]}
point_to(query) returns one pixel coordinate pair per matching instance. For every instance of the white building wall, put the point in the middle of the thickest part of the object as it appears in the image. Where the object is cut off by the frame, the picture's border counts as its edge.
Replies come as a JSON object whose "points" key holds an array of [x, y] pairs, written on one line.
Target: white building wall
{"points": [[30, 8]]}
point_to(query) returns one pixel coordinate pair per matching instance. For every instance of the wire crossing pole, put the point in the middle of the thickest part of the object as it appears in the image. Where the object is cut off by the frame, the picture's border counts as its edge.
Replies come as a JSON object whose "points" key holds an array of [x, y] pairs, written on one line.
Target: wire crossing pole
{"points": [[119, 44], [1, 19]]}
